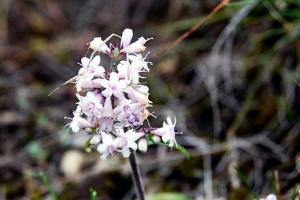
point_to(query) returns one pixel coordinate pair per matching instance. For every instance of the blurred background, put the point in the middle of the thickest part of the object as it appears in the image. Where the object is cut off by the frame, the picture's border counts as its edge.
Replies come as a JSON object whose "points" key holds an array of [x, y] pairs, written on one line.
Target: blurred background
{"points": [[232, 84]]}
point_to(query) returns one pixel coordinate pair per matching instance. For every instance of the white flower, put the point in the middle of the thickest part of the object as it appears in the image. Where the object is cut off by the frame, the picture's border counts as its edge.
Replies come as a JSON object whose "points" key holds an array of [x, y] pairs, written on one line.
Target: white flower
{"points": [[138, 62], [113, 86], [126, 37], [136, 47], [91, 68], [107, 147], [128, 72], [138, 95], [167, 132], [97, 44], [91, 104], [78, 122], [127, 140]]}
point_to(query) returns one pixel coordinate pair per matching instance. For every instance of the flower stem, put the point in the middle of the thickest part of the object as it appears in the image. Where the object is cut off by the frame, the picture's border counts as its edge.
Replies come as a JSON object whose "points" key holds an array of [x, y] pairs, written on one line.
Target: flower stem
{"points": [[136, 176]]}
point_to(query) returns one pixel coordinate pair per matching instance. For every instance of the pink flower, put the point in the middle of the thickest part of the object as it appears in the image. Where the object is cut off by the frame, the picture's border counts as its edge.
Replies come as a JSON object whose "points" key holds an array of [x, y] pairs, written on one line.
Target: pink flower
{"points": [[106, 122], [107, 109], [91, 104], [127, 140], [113, 86], [113, 102], [107, 147]]}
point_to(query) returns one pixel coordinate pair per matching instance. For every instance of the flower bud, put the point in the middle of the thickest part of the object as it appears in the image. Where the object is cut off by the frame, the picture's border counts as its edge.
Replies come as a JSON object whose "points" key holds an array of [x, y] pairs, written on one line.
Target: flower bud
{"points": [[142, 145], [126, 37], [96, 139], [78, 123], [138, 46], [97, 44], [156, 138]]}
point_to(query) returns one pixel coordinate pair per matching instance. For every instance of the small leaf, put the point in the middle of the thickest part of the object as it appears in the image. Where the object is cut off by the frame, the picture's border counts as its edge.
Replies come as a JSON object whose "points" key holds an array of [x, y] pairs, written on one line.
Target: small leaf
{"points": [[183, 150]]}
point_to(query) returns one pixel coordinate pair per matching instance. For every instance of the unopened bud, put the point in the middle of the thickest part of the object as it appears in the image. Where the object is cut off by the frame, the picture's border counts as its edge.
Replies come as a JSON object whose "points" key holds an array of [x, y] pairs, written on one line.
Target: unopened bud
{"points": [[142, 145], [156, 138], [126, 37], [97, 44], [96, 139]]}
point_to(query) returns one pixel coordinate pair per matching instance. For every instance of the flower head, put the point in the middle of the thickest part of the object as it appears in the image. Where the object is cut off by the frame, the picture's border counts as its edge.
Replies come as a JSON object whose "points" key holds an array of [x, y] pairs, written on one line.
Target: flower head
{"points": [[113, 102]]}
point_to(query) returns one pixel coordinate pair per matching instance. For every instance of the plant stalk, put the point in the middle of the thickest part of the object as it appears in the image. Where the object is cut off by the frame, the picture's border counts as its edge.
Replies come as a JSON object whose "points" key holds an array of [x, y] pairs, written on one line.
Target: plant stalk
{"points": [[136, 177]]}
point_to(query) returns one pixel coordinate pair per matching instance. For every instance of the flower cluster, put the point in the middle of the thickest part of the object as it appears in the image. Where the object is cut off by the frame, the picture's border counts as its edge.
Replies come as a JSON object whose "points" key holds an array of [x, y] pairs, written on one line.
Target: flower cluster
{"points": [[112, 102]]}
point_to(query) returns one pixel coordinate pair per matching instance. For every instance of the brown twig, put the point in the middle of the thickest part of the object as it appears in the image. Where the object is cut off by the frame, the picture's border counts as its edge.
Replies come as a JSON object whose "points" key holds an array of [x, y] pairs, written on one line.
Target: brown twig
{"points": [[201, 22], [277, 185]]}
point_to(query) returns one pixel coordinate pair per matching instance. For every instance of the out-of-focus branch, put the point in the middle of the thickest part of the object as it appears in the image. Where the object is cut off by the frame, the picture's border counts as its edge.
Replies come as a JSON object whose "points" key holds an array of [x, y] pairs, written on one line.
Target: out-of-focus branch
{"points": [[201, 22]]}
